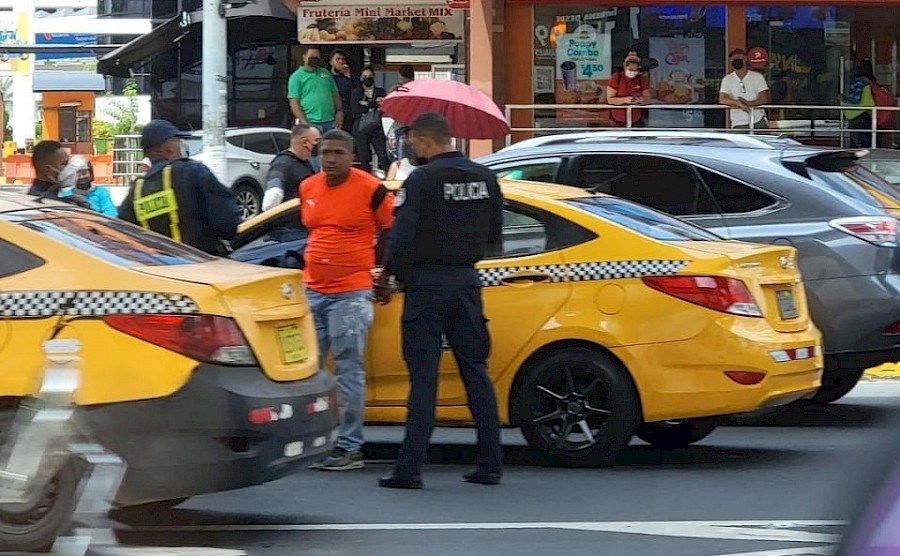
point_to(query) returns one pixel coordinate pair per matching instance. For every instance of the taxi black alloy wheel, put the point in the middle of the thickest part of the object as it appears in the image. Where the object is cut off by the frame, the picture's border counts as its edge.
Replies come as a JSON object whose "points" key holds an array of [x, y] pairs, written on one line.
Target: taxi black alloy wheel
{"points": [[577, 407], [671, 435]]}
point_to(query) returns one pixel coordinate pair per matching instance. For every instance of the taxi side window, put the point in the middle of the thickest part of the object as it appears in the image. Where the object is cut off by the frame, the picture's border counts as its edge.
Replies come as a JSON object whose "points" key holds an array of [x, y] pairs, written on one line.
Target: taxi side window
{"points": [[522, 234], [530, 231], [14, 259]]}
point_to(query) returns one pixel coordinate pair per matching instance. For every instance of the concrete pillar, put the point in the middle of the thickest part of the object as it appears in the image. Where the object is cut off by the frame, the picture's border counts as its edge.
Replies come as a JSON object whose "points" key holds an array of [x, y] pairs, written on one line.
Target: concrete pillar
{"points": [[215, 85], [481, 60], [23, 117]]}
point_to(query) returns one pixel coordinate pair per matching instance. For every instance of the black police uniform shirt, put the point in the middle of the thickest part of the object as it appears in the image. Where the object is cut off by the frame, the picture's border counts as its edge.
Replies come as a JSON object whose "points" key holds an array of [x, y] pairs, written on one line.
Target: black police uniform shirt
{"points": [[286, 172], [207, 210], [449, 214]]}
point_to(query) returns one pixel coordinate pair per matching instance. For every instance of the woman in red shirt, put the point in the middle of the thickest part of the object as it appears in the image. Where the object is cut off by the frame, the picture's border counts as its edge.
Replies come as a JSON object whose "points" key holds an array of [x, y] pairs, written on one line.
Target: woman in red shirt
{"points": [[627, 87]]}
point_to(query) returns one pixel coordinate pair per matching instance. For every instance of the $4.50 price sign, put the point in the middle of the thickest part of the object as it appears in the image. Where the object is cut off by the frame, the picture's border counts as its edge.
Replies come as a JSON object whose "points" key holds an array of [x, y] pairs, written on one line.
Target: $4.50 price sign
{"points": [[590, 70]]}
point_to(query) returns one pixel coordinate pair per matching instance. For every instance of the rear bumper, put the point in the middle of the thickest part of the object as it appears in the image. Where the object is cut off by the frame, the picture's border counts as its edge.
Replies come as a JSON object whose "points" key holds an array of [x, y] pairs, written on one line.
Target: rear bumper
{"points": [[852, 314], [686, 379], [200, 439]]}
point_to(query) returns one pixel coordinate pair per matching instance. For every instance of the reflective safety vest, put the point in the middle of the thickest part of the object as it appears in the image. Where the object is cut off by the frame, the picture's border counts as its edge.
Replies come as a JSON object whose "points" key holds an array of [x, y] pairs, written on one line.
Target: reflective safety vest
{"points": [[160, 203]]}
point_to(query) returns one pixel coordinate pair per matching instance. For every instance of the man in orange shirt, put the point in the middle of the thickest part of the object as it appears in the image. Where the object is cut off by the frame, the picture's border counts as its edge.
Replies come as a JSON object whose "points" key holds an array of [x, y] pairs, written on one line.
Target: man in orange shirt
{"points": [[344, 209]]}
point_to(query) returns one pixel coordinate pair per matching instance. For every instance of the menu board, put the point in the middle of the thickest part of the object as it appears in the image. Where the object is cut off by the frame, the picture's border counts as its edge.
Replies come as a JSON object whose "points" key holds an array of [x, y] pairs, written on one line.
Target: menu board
{"points": [[677, 77]]}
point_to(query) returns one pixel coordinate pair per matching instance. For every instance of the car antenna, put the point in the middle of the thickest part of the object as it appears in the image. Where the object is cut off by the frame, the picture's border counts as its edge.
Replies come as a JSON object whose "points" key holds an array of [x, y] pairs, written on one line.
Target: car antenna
{"points": [[596, 189]]}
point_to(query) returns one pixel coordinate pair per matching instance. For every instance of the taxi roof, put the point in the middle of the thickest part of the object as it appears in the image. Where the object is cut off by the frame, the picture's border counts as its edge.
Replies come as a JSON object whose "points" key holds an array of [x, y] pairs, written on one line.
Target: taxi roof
{"points": [[10, 201]]}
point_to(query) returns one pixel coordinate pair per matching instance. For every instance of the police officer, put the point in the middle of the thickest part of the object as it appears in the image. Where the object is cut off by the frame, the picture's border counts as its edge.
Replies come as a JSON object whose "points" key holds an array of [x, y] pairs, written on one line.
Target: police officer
{"points": [[291, 166], [448, 214], [179, 197]]}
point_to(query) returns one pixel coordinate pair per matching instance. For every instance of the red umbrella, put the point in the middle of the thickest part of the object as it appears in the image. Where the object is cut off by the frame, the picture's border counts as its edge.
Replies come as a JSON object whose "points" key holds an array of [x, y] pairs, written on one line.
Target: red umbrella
{"points": [[470, 113]]}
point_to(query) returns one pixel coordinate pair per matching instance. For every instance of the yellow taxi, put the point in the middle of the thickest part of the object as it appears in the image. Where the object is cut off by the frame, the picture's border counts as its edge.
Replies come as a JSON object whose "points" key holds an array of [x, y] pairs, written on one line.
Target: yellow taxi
{"points": [[200, 372], [608, 319]]}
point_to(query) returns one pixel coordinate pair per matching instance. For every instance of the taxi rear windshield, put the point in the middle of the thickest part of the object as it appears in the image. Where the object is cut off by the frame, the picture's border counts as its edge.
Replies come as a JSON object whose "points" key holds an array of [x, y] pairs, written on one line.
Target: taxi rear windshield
{"points": [[643, 220], [111, 240]]}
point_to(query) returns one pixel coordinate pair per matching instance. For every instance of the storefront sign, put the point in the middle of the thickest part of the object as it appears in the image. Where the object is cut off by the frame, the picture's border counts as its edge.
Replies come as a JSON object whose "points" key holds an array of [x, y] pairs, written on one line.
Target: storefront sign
{"points": [[582, 65], [455, 4], [758, 57], [377, 24], [677, 78]]}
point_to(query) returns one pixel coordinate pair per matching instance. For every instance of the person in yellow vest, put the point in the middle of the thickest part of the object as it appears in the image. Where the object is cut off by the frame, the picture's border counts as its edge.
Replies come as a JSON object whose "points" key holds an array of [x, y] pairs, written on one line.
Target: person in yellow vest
{"points": [[178, 197]]}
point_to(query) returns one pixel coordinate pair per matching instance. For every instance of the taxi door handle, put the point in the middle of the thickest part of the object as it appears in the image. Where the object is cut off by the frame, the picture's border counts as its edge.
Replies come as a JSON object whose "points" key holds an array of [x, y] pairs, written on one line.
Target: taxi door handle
{"points": [[524, 278]]}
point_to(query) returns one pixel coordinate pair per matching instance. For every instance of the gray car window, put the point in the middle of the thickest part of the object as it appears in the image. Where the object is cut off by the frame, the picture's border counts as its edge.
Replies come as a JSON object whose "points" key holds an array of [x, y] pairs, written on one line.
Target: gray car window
{"points": [[671, 186], [261, 143], [732, 196], [282, 141], [533, 170]]}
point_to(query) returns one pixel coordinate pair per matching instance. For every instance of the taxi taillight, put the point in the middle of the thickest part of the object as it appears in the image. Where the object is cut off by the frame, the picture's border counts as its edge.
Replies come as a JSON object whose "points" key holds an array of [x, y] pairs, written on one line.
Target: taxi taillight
{"points": [[206, 338], [720, 293]]}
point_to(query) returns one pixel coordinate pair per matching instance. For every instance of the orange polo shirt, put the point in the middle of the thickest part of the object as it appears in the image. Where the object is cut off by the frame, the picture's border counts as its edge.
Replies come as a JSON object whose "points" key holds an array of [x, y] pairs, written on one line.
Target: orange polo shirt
{"points": [[340, 250]]}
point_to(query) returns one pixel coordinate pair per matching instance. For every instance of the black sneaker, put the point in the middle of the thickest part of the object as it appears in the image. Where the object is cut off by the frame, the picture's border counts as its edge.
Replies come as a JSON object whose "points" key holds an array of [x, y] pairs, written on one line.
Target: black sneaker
{"points": [[482, 478], [342, 460]]}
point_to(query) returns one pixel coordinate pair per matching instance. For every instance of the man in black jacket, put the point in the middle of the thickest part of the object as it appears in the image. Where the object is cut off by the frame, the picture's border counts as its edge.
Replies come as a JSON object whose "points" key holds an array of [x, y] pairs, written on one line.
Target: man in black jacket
{"points": [[366, 116], [291, 166], [179, 197]]}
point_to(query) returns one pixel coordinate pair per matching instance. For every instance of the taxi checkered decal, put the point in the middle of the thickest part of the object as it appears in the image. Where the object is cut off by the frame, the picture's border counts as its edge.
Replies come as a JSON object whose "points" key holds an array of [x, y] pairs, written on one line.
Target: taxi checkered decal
{"points": [[624, 269], [582, 272], [92, 303]]}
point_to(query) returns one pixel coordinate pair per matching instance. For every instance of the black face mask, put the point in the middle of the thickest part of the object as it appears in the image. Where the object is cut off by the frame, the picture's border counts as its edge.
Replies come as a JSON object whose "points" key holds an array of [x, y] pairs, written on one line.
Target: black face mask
{"points": [[737, 64], [315, 62], [83, 183], [315, 150], [368, 81]]}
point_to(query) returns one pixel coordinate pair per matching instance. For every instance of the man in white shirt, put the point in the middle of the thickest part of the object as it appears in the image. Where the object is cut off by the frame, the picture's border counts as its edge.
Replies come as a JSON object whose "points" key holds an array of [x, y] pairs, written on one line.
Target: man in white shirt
{"points": [[744, 89]]}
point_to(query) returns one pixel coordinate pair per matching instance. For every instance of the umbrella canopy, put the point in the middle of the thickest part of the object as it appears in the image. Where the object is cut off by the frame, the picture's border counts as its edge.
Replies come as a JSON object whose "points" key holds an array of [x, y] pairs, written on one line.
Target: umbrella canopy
{"points": [[470, 113]]}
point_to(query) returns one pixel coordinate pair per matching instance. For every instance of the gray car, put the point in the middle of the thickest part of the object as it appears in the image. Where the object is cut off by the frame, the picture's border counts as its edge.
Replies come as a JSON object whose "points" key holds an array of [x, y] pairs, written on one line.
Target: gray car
{"points": [[760, 189]]}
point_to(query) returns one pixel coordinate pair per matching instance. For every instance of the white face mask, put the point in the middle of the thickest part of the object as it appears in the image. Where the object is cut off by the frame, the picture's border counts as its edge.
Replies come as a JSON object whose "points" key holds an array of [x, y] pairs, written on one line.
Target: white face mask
{"points": [[631, 74]]}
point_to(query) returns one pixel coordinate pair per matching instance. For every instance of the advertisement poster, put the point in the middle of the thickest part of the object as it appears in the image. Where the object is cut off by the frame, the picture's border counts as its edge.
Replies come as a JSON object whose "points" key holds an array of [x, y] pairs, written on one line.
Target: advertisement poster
{"points": [[583, 68], [677, 77], [375, 24]]}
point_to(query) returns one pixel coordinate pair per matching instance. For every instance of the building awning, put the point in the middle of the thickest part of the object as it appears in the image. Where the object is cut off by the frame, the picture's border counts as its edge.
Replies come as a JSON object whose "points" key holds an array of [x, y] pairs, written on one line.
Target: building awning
{"points": [[47, 81], [119, 62]]}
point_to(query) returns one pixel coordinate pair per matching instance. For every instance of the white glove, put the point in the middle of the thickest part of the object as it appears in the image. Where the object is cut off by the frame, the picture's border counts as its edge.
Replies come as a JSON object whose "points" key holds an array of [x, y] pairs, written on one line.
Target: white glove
{"points": [[272, 198]]}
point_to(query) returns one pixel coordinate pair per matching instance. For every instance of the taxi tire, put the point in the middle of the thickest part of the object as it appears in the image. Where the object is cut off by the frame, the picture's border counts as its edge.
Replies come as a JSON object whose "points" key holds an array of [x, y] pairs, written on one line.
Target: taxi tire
{"points": [[40, 536], [672, 435], [621, 401]]}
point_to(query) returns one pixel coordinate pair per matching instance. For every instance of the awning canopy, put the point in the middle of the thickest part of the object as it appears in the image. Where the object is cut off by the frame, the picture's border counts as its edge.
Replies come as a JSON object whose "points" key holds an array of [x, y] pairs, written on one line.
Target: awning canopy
{"points": [[119, 62], [47, 81]]}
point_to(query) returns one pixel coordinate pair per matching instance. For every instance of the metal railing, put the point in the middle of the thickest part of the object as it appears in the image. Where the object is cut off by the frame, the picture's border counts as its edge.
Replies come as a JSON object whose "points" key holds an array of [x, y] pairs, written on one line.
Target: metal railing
{"points": [[799, 128]]}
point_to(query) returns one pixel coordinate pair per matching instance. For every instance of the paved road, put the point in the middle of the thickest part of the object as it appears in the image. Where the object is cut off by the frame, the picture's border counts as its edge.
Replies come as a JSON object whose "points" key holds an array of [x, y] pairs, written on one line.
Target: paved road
{"points": [[779, 484]]}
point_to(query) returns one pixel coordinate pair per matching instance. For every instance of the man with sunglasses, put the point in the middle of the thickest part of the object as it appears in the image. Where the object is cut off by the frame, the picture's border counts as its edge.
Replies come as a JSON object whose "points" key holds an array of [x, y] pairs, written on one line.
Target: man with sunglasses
{"points": [[744, 90]]}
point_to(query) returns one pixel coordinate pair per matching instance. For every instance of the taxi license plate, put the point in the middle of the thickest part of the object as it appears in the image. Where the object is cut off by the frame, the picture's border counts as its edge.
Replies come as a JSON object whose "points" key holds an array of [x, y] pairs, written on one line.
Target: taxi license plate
{"points": [[291, 342], [787, 309]]}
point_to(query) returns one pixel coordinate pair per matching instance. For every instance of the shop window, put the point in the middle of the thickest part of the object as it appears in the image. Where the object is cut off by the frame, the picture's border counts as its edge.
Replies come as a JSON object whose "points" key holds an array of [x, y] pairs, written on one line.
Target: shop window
{"points": [[668, 185], [74, 126], [578, 48], [732, 196]]}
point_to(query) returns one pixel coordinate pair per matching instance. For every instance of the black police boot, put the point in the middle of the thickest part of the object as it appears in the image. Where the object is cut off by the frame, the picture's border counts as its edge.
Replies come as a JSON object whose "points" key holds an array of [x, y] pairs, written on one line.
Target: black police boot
{"points": [[396, 481], [482, 477]]}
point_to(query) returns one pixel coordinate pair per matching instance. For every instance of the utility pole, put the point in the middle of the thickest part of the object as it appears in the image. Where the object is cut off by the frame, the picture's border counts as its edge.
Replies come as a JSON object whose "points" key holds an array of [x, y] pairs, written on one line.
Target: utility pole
{"points": [[214, 62]]}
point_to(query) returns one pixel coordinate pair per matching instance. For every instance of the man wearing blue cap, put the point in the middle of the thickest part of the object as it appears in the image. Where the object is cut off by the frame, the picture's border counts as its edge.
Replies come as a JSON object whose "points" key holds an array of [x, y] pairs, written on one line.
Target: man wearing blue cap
{"points": [[179, 197]]}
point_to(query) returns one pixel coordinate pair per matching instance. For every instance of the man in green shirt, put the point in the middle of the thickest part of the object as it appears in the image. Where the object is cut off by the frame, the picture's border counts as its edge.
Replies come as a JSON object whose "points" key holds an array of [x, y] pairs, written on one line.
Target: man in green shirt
{"points": [[313, 94]]}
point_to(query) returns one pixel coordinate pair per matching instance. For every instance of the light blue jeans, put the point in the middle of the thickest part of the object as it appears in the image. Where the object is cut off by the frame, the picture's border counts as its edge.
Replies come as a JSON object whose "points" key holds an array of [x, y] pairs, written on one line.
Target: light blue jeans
{"points": [[342, 326]]}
